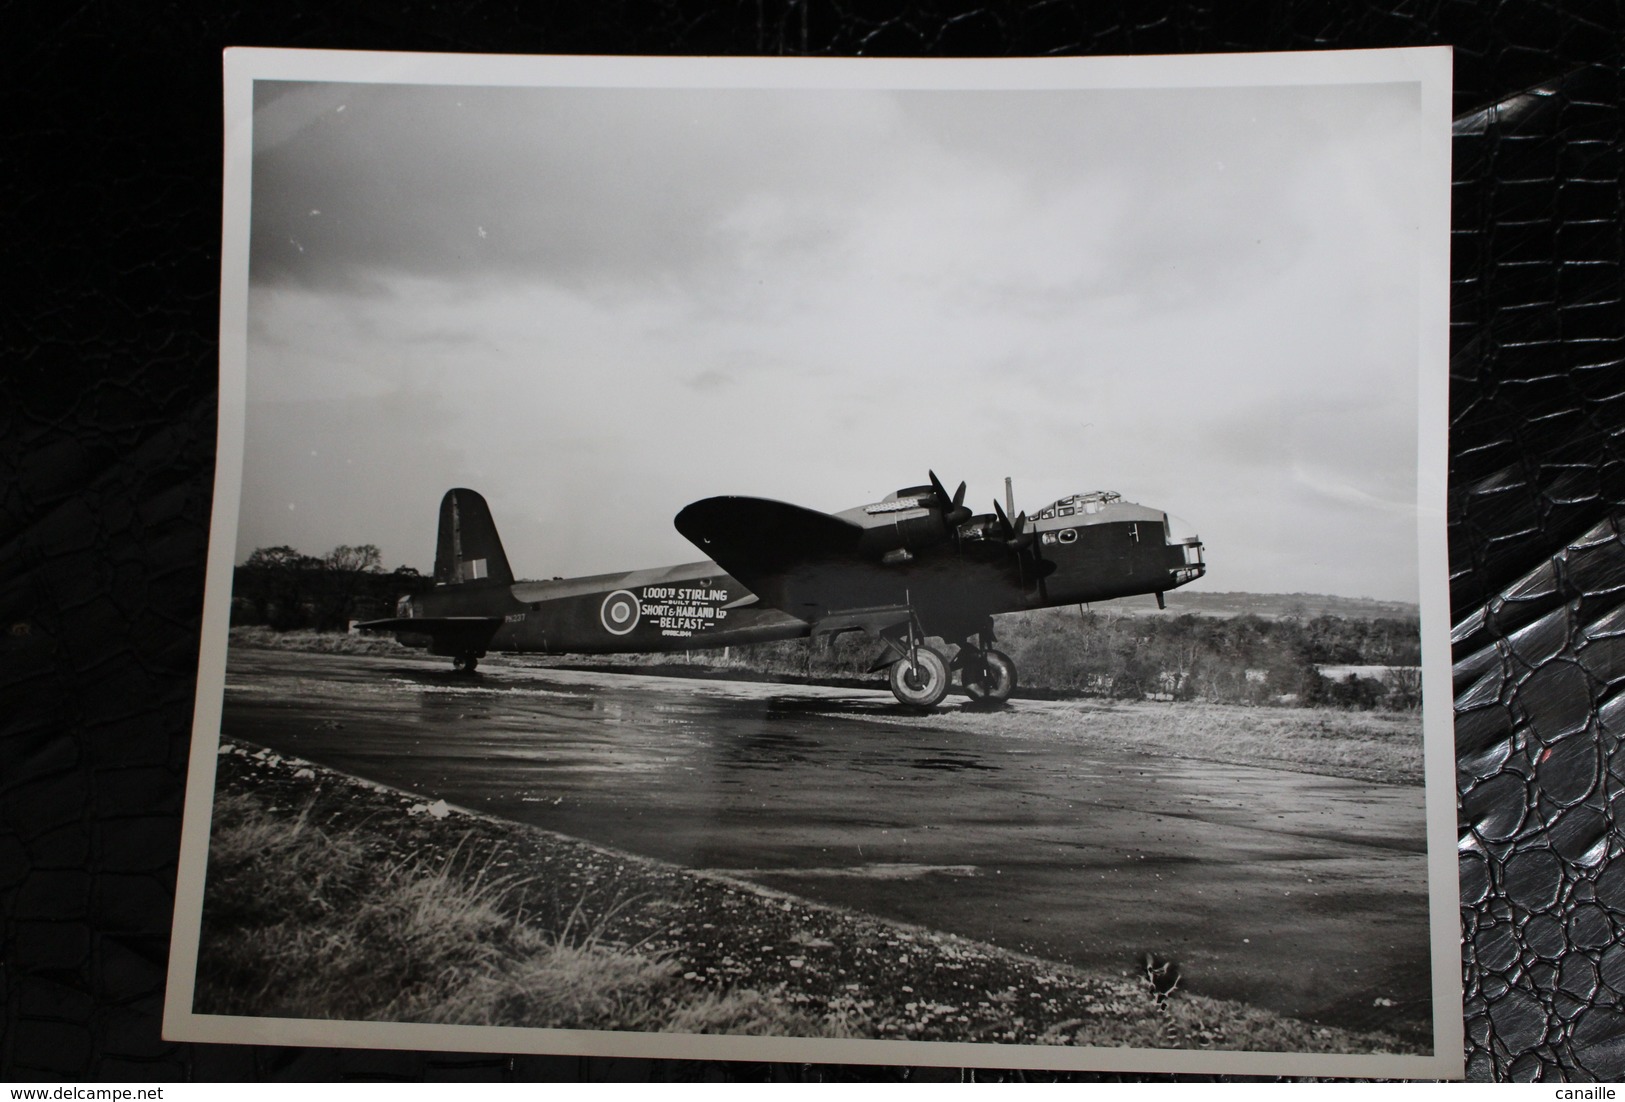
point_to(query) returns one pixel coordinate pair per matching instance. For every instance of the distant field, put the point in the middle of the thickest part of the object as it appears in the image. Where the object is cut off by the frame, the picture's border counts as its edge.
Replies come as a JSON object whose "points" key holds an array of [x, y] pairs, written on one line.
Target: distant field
{"points": [[1375, 746], [1269, 606]]}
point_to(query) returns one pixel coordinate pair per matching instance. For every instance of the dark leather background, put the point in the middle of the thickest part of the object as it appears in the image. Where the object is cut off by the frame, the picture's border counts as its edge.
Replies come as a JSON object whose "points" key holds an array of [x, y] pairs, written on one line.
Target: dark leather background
{"points": [[111, 203]]}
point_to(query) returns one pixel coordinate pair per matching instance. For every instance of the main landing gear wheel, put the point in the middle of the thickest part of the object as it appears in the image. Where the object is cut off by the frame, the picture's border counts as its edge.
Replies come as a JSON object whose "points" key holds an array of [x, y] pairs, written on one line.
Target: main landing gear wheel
{"points": [[994, 683], [922, 683], [465, 663]]}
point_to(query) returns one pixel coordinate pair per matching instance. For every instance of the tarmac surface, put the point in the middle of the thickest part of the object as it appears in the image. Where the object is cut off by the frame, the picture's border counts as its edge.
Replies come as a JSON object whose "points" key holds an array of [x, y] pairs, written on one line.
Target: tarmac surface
{"points": [[1299, 893]]}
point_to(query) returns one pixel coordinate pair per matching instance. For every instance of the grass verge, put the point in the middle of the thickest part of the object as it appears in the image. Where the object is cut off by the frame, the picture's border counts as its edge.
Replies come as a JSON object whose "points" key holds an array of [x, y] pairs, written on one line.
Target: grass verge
{"points": [[310, 923]]}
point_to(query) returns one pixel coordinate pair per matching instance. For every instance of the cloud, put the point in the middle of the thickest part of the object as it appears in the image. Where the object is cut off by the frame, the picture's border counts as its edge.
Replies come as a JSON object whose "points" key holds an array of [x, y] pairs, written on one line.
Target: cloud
{"points": [[710, 381], [597, 305], [596, 189]]}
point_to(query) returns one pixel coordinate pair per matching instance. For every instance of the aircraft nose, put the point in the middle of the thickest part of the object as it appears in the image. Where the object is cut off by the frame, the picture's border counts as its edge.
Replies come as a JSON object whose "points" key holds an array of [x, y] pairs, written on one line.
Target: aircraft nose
{"points": [[1180, 531], [1183, 536]]}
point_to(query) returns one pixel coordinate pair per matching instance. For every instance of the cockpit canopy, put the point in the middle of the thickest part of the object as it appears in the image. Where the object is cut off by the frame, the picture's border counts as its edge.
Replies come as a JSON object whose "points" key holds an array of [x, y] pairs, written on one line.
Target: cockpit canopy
{"points": [[1078, 505], [1095, 507]]}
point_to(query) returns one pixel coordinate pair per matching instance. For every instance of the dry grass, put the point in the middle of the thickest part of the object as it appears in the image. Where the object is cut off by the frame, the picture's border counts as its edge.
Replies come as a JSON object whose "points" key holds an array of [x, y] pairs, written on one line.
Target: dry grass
{"points": [[319, 642], [303, 923], [1129, 1016]]}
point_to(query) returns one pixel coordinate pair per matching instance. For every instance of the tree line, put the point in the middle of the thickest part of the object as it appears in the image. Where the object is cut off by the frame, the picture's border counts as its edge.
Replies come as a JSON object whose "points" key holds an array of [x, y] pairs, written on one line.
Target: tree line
{"points": [[281, 588], [1242, 659]]}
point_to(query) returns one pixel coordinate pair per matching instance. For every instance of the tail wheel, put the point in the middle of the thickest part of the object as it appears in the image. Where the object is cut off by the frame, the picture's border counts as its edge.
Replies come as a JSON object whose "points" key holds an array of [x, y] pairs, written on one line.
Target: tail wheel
{"points": [[465, 663], [921, 683], [997, 680]]}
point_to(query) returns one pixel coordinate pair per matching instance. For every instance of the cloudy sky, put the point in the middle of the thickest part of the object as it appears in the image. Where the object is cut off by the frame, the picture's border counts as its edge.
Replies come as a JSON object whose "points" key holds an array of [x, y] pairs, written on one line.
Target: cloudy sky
{"points": [[595, 305]]}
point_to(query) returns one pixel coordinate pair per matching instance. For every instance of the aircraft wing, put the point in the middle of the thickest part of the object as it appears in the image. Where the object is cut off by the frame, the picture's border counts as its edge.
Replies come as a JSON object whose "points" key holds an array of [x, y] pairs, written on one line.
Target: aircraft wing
{"points": [[837, 573], [788, 556]]}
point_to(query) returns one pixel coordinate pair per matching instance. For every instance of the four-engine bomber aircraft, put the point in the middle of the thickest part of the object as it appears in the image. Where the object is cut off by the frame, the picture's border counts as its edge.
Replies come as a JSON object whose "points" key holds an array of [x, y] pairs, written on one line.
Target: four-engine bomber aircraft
{"points": [[915, 567]]}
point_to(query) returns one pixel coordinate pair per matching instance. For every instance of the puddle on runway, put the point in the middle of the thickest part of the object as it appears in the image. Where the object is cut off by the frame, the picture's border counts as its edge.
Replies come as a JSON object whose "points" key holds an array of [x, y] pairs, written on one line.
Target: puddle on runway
{"points": [[803, 708], [433, 690], [895, 870], [768, 750], [957, 763]]}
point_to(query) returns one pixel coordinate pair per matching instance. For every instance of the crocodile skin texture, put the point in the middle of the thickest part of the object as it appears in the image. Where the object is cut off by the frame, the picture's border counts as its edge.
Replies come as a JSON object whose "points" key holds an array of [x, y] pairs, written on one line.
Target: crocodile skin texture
{"points": [[106, 468], [1537, 575]]}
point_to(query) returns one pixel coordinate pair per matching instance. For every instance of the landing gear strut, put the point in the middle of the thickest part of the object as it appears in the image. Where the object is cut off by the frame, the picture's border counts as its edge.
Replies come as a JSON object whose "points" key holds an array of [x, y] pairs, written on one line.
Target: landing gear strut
{"points": [[920, 674]]}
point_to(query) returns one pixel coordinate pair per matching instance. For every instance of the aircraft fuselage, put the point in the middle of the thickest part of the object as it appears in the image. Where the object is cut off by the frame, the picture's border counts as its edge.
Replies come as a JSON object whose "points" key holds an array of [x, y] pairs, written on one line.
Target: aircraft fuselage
{"points": [[1114, 549], [912, 568], [671, 608]]}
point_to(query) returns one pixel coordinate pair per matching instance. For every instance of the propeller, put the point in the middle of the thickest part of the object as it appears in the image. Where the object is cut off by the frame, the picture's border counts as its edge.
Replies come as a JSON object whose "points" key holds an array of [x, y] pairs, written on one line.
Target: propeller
{"points": [[1032, 567], [953, 508], [1016, 535]]}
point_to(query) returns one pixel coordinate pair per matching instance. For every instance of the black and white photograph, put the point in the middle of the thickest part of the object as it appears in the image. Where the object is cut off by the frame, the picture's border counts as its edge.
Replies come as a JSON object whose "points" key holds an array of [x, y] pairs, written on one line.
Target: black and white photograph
{"points": [[931, 562]]}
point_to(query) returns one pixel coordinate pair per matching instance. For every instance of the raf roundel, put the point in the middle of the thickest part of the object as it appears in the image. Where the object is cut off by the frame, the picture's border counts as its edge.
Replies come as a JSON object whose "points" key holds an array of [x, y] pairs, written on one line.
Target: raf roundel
{"points": [[619, 613]]}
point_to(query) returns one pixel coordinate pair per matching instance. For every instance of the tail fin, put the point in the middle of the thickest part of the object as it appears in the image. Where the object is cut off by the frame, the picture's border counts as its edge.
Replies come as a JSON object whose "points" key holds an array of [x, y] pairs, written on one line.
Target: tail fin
{"points": [[468, 549]]}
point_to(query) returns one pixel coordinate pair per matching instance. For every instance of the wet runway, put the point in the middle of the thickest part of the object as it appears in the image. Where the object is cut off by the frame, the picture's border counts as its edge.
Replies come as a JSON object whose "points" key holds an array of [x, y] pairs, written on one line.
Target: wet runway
{"points": [[1300, 893]]}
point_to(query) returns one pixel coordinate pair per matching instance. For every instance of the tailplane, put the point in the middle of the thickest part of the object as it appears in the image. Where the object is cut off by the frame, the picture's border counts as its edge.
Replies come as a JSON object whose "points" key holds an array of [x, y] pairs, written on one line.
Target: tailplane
{"points": [[468, 549]]}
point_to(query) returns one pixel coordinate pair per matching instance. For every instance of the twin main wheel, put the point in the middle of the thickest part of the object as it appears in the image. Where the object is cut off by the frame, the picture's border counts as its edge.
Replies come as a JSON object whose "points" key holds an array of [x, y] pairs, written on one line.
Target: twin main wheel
{"points": [[924, 682], [921, 683], [993, 682]]}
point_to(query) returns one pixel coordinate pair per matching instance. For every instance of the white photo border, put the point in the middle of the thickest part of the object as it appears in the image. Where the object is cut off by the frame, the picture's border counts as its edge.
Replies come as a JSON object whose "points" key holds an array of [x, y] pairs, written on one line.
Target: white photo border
{"points": [[1428, 68]]}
